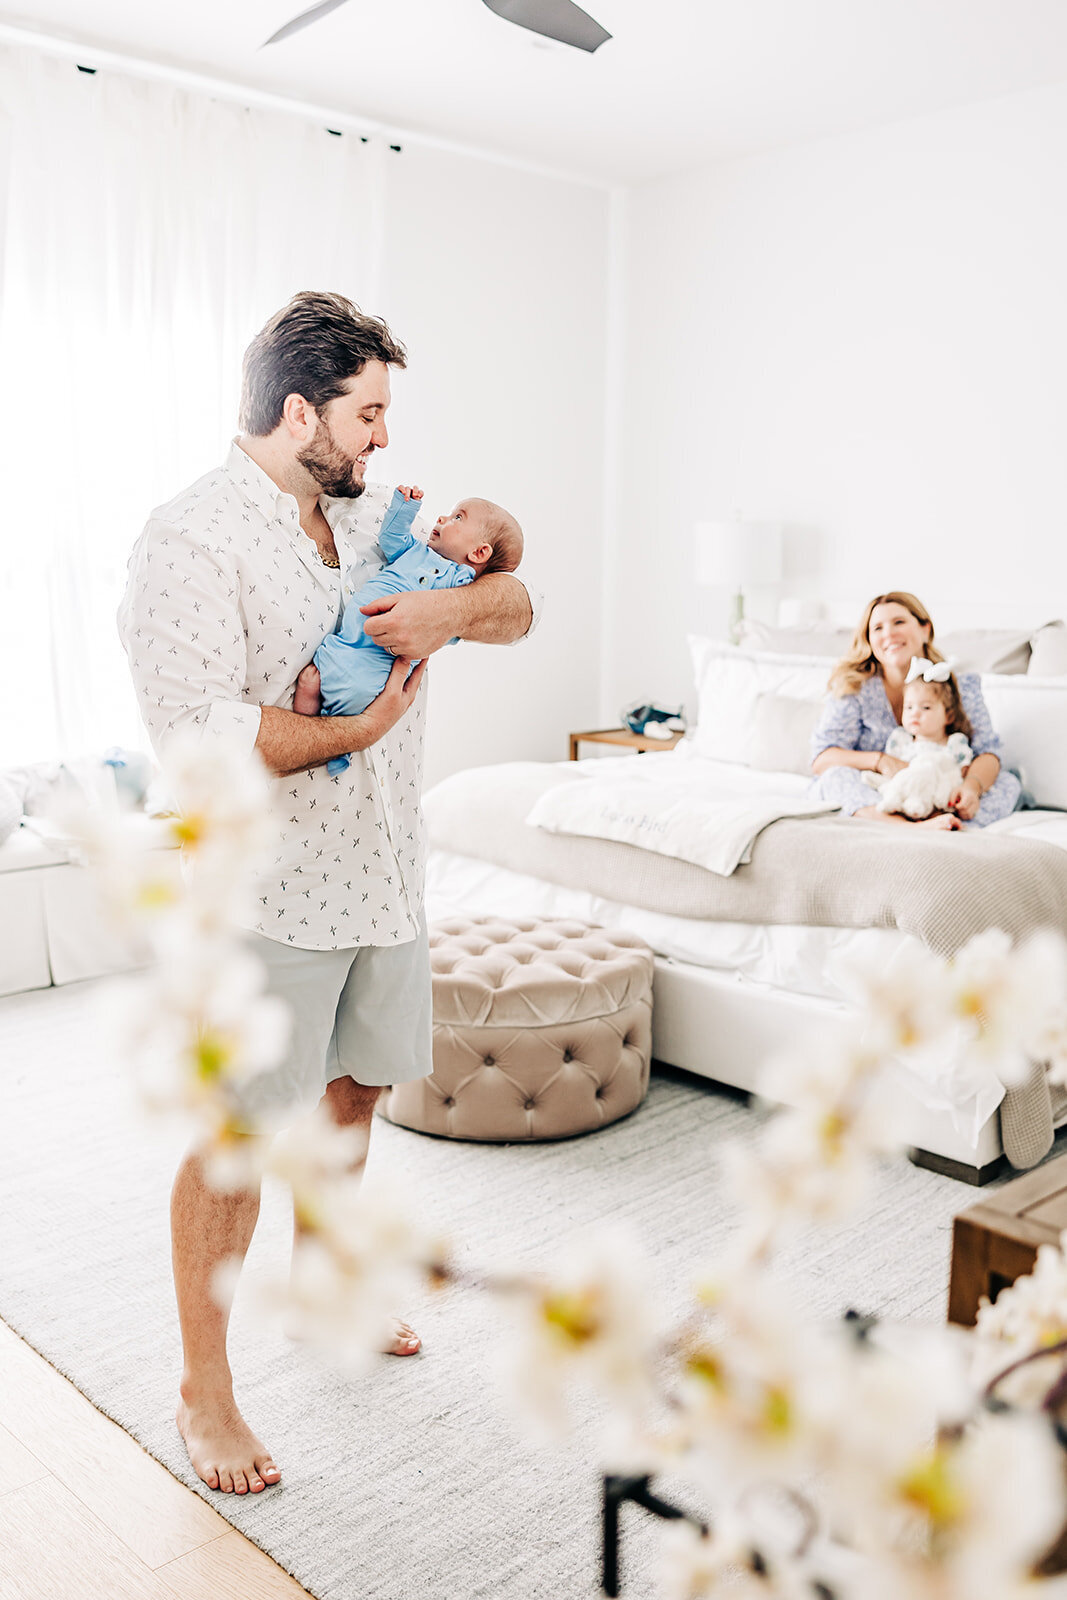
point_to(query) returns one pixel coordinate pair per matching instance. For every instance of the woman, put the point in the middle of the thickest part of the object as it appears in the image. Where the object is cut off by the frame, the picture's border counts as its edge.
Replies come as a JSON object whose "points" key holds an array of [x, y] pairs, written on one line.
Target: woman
{"points": [[863, 708]]}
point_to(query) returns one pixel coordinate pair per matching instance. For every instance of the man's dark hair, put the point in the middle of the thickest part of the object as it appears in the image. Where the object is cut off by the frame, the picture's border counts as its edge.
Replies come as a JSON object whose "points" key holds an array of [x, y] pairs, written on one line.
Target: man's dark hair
{"points": [[311, 347]]}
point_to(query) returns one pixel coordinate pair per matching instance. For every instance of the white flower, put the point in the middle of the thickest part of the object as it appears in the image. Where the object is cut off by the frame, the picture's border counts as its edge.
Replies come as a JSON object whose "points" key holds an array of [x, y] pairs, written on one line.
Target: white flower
{"points": [[814, 1160], [593, 1321], [747, 1376], [196, 1028], [362, 1258], [978, 1513], [1007, 997], [904, 1002]]}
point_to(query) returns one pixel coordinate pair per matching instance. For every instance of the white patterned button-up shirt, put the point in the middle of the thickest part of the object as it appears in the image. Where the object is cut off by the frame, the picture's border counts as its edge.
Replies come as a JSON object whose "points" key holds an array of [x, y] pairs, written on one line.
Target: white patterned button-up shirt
{"points": [[226, 601]]}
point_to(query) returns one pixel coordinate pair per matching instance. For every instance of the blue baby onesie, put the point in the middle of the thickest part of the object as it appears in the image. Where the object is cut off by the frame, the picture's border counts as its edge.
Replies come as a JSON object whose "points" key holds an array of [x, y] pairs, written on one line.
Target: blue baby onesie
{"points": [[354, 669]]}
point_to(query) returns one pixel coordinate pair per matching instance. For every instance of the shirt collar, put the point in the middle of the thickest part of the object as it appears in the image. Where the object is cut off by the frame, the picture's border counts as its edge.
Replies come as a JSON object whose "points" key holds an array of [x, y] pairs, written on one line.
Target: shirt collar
{"points": [[264, 494], [259, 489]]}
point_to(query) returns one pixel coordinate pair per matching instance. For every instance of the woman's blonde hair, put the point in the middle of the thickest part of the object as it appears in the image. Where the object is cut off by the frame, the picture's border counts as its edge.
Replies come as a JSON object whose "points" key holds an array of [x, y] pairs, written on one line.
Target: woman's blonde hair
{"points": [[855, 667]]}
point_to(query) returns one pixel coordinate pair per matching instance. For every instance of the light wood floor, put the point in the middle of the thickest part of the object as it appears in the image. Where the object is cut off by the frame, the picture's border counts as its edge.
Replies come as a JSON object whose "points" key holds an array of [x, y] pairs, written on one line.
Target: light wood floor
{"points": [[84, 1510]]}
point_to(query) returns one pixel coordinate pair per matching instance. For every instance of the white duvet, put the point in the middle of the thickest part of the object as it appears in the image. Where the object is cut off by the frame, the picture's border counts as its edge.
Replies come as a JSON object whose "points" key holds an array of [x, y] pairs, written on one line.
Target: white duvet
{"points": [[709, 813]]}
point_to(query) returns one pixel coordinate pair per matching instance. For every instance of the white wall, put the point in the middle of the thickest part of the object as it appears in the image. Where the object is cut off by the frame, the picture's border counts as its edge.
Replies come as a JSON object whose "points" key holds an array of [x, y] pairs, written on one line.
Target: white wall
{"points": [[494, 279], [865, 338]]}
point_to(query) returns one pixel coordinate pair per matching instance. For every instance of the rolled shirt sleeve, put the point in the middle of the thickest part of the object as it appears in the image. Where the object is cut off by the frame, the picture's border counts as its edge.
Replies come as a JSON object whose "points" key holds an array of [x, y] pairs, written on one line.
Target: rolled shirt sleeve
{"points": [[839, 726], [984, 741], [181, 626]]}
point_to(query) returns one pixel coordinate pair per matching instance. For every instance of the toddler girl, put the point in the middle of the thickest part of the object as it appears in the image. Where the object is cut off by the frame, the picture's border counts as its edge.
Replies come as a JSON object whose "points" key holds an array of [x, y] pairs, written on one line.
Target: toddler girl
{"points": [[933, 739]]}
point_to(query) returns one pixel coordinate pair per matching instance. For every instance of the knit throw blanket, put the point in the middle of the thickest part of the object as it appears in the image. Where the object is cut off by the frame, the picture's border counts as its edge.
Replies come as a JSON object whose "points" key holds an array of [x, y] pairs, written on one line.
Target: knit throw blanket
{"points": [[820, 871]]}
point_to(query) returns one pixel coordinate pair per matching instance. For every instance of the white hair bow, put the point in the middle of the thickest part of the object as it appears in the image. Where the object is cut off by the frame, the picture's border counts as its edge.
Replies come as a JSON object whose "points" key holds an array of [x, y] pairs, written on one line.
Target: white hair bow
{"points": [[929, 671]]}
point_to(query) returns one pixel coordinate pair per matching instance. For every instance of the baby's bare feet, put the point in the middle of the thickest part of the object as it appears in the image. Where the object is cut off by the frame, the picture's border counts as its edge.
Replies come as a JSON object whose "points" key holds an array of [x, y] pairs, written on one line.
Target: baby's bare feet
{"points": [[307, 700], [223, 1450], [944, 821]]}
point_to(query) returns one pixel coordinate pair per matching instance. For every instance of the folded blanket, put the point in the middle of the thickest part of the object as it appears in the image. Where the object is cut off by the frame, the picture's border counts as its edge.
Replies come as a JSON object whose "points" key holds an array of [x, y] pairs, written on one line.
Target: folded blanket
{"points": [[823, 871], [671, 820]]}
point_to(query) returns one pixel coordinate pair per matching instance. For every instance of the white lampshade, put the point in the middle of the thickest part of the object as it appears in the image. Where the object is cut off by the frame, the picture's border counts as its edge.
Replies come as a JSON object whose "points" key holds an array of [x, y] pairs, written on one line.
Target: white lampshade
{"points": [[738, 555]]}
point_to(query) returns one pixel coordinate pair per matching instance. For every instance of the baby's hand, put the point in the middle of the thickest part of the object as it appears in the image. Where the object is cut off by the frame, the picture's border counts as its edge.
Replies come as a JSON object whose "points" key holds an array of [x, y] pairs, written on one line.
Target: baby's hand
{"points": [[307, 700], [409, 494]]}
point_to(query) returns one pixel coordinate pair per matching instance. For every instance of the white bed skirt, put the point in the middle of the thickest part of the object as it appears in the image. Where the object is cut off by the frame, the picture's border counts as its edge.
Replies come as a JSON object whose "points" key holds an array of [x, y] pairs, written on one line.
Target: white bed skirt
{"points": [[727, 996]]}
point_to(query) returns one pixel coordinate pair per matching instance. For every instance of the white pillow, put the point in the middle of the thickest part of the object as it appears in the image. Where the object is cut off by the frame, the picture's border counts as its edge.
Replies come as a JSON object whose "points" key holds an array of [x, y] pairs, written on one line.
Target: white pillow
{"points": [[1001, 650], [780, 738], [822, 642], [1048, 657], [1030, 715], [729, 684]]}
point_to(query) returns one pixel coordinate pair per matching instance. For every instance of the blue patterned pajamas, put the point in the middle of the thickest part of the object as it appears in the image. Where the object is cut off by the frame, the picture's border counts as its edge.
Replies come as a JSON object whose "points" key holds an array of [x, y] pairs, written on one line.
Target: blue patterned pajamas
{"points": [[864, 721]]}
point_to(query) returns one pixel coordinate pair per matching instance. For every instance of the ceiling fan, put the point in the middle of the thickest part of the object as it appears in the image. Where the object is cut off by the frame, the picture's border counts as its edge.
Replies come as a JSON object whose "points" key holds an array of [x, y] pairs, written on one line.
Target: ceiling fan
{"points": [[553, 19]]}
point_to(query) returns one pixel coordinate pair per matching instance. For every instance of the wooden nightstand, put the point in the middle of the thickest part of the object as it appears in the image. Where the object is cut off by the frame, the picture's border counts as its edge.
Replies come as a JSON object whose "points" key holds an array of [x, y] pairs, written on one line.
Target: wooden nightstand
{"points": [[997, 1241], [621, 736]]}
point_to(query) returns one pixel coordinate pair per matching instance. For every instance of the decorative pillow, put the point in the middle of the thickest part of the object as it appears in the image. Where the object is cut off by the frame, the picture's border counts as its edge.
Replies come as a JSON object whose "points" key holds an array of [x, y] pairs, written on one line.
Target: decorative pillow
{"points": [[1048, 654], [729, 683], [1029, 714], [1003, 650], [780, 734], [825, 642]]}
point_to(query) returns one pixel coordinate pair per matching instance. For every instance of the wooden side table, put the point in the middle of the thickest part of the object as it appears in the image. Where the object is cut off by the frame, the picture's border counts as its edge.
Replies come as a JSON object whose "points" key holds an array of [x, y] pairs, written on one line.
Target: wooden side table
{"points": [[997, 1241], [621, 736]]}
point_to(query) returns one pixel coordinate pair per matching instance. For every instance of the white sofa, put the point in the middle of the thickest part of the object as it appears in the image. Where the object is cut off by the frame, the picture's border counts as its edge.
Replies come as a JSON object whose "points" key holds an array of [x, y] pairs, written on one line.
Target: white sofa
{"points": [[53, 927]]}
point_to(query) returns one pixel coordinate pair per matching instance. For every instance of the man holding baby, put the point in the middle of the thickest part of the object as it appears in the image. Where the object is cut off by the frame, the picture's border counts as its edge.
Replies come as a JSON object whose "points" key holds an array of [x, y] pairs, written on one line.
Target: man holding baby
{"points": [[232, 587]]}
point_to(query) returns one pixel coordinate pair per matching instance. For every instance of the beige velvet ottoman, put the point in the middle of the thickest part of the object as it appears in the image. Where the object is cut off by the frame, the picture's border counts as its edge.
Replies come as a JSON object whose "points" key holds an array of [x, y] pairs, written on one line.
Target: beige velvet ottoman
{"points": [[541, 1030]]}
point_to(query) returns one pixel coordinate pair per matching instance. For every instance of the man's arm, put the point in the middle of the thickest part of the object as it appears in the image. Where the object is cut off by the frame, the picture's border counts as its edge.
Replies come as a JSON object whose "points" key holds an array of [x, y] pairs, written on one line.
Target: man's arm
{"points": [[494, 609], [289, 742]]}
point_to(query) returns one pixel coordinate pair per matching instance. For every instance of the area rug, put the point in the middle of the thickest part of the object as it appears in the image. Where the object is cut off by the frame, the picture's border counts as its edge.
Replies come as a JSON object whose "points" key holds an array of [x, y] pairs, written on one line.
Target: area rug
{"points": [[415, 1482]]}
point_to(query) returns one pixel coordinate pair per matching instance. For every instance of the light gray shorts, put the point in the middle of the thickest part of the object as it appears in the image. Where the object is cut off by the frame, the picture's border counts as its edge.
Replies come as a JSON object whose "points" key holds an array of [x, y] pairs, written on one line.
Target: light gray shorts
{"points": [[365, 1014]]}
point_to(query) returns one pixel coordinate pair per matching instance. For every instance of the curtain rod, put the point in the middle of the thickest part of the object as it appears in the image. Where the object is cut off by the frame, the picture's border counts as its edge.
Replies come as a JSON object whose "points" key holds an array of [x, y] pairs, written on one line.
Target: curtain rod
{"points": [[264, 99]]}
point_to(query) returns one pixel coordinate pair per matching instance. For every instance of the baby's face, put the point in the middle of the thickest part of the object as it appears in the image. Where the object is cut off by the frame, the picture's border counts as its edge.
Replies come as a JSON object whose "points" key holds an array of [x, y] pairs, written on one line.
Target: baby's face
{"points": [[460, 532], [924, 715]]}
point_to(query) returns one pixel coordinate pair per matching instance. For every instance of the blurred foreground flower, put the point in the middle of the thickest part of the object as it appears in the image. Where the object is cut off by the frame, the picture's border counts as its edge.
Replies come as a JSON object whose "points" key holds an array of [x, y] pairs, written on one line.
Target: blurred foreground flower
{"points": [[591, 1322]]}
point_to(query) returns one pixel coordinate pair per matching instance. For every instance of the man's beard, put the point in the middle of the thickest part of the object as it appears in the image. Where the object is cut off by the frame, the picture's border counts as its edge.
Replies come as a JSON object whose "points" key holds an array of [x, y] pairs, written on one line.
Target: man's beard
{"points": [[332, 470]]}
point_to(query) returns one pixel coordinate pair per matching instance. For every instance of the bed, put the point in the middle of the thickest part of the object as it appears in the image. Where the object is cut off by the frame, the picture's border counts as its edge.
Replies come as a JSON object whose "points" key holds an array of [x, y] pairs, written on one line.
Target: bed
{"points": [[746, 960]]}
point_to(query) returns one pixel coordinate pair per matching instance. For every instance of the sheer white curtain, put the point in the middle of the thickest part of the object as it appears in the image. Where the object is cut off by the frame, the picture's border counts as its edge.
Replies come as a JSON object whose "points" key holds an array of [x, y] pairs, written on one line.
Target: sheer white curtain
{"points": [[145, 234]]}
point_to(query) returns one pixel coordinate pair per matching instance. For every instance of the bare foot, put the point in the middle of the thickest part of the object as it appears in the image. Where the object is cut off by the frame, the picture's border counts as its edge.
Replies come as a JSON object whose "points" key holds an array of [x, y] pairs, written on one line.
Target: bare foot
{"points": [[223, 1450], [404, 1342], [944, 821], [307, 700]]}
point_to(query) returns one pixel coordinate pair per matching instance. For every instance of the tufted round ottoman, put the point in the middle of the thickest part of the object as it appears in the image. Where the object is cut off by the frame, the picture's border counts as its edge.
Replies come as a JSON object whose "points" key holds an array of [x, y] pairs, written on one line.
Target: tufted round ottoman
{"points": [[540, 1030]]}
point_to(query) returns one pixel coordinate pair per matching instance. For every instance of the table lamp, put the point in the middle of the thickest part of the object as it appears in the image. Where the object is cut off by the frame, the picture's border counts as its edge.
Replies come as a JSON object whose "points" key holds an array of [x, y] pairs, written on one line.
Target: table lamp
{"points": [[738, 555]]}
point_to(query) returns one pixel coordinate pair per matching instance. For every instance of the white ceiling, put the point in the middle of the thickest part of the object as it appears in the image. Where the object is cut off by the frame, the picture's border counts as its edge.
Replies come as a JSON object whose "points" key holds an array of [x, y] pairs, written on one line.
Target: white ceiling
{"points": [[681, 83]]}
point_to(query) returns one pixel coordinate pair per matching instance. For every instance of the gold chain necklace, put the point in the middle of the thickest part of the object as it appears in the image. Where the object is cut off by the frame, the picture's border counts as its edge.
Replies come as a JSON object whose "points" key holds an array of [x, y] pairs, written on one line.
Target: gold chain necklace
{"points": [[333, 562]]}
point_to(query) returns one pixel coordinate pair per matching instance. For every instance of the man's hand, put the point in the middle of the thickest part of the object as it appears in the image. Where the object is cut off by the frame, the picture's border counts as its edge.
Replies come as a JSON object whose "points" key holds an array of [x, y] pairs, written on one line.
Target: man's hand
{"points": [[412, 625], [966, 800], [401, 687], [290, 743]]}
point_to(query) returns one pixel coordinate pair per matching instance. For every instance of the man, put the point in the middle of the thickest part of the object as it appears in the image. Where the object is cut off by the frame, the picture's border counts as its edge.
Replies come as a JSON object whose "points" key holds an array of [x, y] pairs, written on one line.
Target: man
{"points": [[232, 587]]}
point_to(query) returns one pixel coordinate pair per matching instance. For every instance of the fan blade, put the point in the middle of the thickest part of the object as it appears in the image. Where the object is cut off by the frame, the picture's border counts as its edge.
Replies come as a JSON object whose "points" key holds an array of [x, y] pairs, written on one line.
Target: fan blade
{"points": [[553, 19], [304, 20]]}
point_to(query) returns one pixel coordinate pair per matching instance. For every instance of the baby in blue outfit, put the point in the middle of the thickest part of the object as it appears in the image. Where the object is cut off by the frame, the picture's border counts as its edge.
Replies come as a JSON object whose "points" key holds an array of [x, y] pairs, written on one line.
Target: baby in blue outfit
{"points": [[476, 537]]}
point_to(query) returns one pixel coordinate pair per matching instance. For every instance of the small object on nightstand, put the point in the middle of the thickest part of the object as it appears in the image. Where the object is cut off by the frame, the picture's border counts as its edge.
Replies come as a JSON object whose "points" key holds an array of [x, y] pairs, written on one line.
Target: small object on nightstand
{"points": [[655, 722], [636, 742]]}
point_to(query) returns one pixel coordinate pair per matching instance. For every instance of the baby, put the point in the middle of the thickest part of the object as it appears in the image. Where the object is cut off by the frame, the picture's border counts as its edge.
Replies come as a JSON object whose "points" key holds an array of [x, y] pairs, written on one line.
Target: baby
{"points": [[352, 670], [933, 740]]}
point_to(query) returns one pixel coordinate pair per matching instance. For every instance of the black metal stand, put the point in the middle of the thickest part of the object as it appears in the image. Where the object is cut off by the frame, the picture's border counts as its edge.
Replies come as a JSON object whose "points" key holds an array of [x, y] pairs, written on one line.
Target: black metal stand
{"points": [[617, 1491]]}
